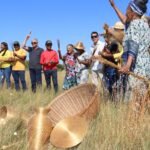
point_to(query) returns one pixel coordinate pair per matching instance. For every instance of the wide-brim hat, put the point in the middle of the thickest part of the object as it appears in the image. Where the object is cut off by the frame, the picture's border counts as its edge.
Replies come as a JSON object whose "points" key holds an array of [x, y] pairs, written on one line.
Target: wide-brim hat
{"points": [[79, 46], [119, 25]]}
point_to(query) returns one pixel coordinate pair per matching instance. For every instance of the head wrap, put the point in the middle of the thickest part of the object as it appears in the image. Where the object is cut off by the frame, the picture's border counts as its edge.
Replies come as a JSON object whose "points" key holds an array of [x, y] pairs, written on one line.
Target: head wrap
{"points": [[136, 8]]}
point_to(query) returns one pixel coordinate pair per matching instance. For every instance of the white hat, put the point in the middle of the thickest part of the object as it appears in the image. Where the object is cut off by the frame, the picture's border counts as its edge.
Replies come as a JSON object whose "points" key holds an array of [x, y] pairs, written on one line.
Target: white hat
{"points": [[119, 25]]}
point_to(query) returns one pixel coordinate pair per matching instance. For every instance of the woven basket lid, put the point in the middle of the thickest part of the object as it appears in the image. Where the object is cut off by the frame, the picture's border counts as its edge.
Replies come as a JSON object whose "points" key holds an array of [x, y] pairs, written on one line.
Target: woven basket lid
{"points": [[69, 132]]}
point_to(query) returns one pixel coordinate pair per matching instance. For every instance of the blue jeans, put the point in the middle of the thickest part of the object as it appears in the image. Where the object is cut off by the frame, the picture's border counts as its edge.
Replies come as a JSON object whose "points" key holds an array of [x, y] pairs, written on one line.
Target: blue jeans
{"points": [[5, 73], [19, 76], [48, 74], [36, 78]]}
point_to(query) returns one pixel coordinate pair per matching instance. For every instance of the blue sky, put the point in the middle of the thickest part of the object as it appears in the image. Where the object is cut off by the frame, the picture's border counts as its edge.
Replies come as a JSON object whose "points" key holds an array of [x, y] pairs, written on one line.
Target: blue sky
{"points": [[68, 20]]}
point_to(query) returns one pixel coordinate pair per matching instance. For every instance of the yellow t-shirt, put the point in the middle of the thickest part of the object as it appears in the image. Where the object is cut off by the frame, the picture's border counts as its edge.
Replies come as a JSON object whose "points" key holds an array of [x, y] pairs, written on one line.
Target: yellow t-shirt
{"points": [[19, 65], [3, 59], [118, 56]]}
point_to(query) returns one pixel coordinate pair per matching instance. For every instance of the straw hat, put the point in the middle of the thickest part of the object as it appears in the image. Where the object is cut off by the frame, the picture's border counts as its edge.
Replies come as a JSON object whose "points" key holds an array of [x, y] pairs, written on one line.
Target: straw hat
{"points": [[119, 25], [79, 46], [69, 132]]}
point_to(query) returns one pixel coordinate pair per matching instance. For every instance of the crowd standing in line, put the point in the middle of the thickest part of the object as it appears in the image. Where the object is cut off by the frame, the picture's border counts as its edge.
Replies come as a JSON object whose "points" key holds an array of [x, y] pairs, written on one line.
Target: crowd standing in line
{"points": [[127, 45]]}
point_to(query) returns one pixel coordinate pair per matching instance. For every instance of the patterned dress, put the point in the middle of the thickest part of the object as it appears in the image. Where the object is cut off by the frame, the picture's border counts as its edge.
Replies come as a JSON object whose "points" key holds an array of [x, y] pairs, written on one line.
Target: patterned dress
{"points": [[136, 44], [70, 78]]}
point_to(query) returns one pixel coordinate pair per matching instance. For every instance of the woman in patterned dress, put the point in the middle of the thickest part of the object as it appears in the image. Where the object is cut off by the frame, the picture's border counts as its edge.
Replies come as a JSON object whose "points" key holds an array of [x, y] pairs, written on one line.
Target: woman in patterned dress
{"points": [[136, 44], [69, 61]]}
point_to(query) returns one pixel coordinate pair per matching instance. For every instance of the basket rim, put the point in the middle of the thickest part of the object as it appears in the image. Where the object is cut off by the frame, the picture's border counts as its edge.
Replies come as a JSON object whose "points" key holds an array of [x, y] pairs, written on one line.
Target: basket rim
{"points": [[66, 92]]}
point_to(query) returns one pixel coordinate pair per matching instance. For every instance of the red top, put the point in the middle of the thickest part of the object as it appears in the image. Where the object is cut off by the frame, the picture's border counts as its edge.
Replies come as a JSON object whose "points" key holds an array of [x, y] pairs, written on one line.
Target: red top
{"points": [[49, 60]]}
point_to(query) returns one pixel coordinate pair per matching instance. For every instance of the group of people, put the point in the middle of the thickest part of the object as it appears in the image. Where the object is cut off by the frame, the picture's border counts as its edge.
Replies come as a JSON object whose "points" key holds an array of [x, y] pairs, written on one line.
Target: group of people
{"points": [[14, 62], [77, 64], [127, 45]]}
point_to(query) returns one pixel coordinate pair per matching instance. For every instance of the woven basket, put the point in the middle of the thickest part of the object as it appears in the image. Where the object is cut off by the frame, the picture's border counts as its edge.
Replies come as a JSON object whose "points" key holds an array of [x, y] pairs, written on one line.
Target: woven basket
{"points": [[39, 130], [82, 101]]}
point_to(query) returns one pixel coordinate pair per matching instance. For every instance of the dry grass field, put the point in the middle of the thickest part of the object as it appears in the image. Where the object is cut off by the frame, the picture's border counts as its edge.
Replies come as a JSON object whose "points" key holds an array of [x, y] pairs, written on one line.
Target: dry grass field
{"points": [[115, 127]]}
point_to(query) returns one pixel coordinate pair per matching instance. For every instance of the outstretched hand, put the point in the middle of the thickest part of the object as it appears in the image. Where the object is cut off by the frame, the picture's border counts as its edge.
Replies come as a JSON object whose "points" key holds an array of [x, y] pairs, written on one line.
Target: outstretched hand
{"points": [[112, 3], [28, 36]]}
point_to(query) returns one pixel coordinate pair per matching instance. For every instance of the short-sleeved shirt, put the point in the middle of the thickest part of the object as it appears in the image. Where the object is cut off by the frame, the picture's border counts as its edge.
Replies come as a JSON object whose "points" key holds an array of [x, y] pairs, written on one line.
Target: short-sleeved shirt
{"points": [[4, 56], [19, 65], [34, 58], [47, 57], [80, 67]]}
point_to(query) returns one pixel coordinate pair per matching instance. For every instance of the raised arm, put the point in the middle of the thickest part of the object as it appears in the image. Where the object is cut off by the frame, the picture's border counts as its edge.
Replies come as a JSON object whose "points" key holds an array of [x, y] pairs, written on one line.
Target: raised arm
{"points": [[121, 16], [25, 41]]}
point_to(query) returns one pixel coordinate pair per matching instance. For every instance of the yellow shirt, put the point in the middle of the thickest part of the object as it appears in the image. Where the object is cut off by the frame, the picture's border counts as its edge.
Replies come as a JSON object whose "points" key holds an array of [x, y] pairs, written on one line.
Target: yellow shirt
{"points": [[3, 59], [19, 65], [118, 56]]}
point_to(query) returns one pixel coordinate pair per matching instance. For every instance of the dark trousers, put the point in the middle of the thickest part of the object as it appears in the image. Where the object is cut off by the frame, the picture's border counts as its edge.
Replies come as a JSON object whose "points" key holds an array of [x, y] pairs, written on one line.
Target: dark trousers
{"points": [[19, 76], [36, 78], [110, 78], [51, 74]]}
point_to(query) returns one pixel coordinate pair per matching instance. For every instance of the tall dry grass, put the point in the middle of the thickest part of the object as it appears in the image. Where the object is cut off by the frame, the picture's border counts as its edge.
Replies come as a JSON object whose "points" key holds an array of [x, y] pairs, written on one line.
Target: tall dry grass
{"points": [[115, 127]]}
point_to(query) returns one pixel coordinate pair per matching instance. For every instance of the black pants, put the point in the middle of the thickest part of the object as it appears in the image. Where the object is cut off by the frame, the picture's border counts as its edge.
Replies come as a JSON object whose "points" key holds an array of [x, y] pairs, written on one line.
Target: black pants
{"points": [[36, 78], [48, 74]]}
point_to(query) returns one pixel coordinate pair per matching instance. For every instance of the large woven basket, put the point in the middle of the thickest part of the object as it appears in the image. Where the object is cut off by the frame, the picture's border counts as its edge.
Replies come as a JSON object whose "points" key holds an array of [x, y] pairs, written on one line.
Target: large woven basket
{"points": [[82, 101]]}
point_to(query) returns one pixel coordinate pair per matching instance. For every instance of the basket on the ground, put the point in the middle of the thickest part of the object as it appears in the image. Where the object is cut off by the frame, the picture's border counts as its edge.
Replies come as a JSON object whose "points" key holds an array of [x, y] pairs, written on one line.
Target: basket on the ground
{"points": [[82, 100]]}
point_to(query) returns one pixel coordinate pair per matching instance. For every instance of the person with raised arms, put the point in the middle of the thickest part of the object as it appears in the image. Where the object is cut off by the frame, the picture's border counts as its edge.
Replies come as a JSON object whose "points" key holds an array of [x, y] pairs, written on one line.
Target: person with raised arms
{"points": [[136, 45], [35, 68], [69, 61]]}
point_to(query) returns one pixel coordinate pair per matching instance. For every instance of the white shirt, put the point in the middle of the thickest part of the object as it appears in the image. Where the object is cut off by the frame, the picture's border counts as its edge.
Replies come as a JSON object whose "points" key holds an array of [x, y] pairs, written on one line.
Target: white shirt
{"points": [[99, 48], [82, 57]]}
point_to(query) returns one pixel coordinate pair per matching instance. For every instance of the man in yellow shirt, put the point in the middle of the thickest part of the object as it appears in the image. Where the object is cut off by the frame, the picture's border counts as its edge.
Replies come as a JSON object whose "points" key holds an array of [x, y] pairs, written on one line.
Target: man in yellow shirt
{"points": [[18, 68], [5, 64]]}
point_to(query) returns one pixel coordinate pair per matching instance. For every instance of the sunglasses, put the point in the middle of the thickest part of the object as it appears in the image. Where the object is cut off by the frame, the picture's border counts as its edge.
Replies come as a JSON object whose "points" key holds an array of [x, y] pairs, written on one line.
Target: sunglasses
{"points": [[33, 43], [94, 36]]}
